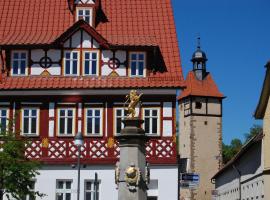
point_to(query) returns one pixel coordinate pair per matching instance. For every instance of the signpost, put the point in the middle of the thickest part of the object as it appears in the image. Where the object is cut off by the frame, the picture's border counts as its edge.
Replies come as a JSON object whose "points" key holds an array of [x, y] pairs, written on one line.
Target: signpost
{"points": [[189, 180]]}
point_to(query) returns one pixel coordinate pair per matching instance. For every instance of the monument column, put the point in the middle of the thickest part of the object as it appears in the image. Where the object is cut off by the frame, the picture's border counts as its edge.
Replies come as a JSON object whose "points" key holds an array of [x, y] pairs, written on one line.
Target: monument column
{"points": [[132, 172]]}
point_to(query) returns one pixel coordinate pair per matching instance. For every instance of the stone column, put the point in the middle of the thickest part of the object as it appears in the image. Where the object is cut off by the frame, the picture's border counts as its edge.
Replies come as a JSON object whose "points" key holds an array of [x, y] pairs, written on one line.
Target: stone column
{"points": [[132, 172]]}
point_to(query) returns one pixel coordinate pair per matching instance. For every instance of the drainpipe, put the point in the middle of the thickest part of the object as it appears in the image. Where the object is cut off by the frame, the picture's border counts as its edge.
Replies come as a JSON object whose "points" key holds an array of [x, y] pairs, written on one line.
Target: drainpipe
{"points": [[239, 174]]}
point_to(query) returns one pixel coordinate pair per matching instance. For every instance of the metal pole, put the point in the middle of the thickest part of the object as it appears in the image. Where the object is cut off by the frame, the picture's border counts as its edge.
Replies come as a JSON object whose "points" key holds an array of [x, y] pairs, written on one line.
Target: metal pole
{"points": [[79, 174], [95, 186]]}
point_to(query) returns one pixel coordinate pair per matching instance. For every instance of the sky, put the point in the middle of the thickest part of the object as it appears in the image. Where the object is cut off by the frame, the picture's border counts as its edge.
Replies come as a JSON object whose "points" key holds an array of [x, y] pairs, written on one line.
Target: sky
{"points": [[235, 34]]}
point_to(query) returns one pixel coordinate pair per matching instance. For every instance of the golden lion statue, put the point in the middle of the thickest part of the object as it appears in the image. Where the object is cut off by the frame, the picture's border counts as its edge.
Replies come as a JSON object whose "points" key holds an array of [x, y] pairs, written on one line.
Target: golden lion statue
{"points": [[134, 99]]}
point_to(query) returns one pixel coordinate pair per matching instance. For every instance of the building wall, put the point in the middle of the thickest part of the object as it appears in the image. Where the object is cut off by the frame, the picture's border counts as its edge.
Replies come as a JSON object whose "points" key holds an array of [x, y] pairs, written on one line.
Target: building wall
{"points": [[200, 142], [266, 152], [163, 181], [252, 181]]}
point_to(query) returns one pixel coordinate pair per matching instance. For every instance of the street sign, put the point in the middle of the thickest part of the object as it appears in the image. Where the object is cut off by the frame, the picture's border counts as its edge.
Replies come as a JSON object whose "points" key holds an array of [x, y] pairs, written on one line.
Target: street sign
{"points": [[189, 180]]}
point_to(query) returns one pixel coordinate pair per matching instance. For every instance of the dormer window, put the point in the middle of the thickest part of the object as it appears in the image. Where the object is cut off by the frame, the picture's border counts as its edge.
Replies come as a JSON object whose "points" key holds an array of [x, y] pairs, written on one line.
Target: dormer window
{"points": [[85, 14], [71, 63], [19, 63], [137, 64]]}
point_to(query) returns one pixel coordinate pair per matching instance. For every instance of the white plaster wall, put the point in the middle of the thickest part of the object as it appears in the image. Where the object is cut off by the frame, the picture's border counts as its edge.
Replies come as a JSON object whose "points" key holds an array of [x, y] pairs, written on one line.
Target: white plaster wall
{"points": [[37, 54], [121, 56], [85, 1], [36, 69], [76, 40], [86, 40], [166, 177], [167, 128], [54, 69], [105, 56], [167, 109], [54, 54]]}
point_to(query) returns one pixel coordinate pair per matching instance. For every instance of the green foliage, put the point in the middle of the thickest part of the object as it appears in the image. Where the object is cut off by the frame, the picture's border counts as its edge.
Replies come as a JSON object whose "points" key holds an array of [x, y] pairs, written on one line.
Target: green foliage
{"points": [[16, 171], [254, 130], [229, 151]]}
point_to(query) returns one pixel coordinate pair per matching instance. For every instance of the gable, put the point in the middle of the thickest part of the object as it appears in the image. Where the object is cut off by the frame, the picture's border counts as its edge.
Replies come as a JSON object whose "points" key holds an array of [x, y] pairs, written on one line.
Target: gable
{"points": [[81, 39]]}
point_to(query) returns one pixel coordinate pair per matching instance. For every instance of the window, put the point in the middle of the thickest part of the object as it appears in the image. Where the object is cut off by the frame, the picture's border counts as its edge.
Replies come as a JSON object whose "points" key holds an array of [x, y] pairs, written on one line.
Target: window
{"points": [[151, 121], [93, 121], [90, 63], [19, 62], [137, 64], [198, 105], [120, 114], [32, 189], [91, 190], [3, 119], [85, 14], [63, 189], [66, 121], [30, 121], [71, 62]]}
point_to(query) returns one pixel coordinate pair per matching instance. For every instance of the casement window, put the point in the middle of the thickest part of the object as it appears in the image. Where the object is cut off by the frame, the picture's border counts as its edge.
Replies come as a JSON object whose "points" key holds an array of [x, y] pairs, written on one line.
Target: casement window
{"points": [[85, 14], [137, 64], [3, 119], [32, 189], [93, 121], [19, 63], [63, 189], [91, 190], [71, 63], [120, 114], [30, 121], [66, 121], [90, 63], [151, 121]]}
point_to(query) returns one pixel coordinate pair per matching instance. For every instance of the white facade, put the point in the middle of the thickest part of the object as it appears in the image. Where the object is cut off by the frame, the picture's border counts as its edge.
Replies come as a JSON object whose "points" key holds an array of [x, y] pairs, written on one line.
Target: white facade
{"points": [[163, 181], [249, 185]]}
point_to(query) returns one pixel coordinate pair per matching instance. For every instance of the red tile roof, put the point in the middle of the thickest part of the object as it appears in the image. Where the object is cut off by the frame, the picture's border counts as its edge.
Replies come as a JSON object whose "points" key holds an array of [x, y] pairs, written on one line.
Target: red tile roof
{"points": [[206, 87], [37, 82], [140, 23]]}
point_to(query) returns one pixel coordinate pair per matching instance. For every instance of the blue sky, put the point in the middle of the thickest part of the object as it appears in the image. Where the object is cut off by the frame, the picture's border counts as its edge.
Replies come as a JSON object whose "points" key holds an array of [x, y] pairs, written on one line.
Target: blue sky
{"points": [[235, 34]]}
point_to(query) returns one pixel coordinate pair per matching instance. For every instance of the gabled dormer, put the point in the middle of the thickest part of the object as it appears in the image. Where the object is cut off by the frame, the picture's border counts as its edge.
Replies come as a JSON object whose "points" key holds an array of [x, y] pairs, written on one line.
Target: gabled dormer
{"points": [[85, 10]]}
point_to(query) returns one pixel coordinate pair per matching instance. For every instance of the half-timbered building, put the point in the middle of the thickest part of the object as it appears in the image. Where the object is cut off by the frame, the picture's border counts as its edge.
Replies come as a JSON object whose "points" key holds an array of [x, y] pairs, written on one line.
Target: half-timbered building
{"points": [[66, 66]]}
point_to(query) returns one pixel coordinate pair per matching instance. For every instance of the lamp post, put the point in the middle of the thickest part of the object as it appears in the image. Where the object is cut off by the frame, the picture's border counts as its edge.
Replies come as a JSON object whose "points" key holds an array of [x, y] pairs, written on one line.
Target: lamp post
{"points": [[78, 140]]}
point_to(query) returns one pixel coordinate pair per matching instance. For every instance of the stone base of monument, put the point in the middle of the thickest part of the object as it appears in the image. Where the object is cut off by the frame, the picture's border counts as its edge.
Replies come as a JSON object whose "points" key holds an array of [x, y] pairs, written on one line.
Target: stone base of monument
{"points": [[132, 172]]}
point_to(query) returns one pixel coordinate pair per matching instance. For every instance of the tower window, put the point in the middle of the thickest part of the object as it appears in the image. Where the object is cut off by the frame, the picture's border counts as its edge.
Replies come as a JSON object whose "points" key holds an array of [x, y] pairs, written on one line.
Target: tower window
{"points": [[85, 14], [198, 105]]}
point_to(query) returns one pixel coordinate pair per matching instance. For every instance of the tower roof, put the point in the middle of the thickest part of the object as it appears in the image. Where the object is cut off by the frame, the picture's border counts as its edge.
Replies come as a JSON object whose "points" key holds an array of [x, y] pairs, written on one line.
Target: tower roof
{"points": [[205, 88]]}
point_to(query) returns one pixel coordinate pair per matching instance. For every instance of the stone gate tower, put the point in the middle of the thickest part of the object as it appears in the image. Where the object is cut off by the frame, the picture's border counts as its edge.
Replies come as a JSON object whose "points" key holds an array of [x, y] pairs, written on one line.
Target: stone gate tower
{"points": [[200, 124]]}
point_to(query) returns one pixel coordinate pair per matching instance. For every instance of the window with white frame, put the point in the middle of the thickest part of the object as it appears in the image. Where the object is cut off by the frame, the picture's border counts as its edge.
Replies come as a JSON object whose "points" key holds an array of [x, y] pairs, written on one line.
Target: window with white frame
{"points": [[30, 121], [66, 121], [151, 121], [19, 63], [85, 14], [137, 64], [32, 189], [93, 119], [63, 189], [3, 119], [120, 114], [90, 63], [71, 63], [91, 190]]}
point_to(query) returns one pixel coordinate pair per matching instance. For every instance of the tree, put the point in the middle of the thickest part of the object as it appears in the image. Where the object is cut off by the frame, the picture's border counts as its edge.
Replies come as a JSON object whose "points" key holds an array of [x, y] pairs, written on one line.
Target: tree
{"points": [[16, 171], [229, 151], [254, 130]]}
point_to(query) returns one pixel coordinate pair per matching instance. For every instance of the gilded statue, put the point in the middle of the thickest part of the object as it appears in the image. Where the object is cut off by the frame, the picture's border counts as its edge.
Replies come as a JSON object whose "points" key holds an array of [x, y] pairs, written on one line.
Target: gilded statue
{"points": [[134, 99]]}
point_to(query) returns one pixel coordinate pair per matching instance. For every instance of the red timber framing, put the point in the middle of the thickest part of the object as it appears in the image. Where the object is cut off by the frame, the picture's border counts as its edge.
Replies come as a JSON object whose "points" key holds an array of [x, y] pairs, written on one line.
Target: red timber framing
{"points": [[51, 149]]}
